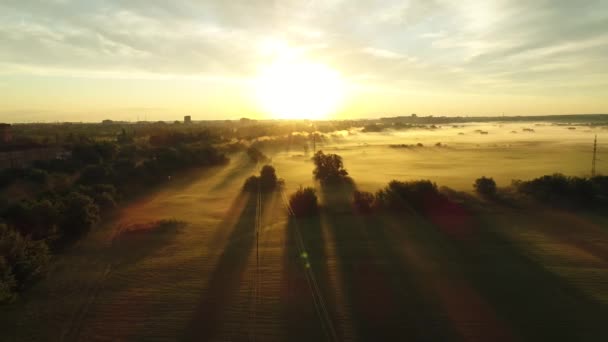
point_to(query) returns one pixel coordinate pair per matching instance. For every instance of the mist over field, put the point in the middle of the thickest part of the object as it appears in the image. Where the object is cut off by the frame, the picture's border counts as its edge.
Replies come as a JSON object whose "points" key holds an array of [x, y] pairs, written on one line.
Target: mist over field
{"points": [[320, 170], [506, 152]]}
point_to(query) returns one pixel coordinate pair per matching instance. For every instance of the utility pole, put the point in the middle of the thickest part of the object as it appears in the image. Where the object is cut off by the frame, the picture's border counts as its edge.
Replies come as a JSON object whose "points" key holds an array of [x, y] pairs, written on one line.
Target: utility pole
{"points": [[594, 156]]}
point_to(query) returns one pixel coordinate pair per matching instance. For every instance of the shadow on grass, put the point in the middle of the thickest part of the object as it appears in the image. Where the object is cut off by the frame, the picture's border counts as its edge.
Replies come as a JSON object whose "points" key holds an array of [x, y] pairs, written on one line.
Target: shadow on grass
{"points": [[303, 322], [226, 278], [242, 168], [538, 304], [386, 303], [136, 242]]}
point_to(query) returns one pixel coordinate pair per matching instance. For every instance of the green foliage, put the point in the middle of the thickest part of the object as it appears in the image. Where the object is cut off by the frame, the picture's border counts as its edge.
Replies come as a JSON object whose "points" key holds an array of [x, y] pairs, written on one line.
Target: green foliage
{"points": [[93, 174], [418, 195], [267, 181], [485, 186], [37, 219], [21, 261], [268, 178], [329, 168], [80, 213], [304, 202], [8, 284], [363, 202], [558, 189], [256, 156], [32, 175]]}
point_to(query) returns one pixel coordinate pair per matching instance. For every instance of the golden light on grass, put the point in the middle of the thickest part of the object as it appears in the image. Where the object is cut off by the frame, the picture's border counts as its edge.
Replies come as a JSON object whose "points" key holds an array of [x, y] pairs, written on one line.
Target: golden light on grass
{"points": [[291, 88]]}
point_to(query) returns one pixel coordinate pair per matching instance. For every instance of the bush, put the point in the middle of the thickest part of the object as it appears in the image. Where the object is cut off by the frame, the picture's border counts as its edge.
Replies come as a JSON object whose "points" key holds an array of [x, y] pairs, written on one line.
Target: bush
{"points": [[252, 184], [485, 186], [80, 213], [304, 202], [36, 176], [419, 195], [105, 201], [268, 178], [329, 168], [558, 189], [256, 156], [21, 261], [363, 201], [8, 284], [267, 181], [93, 174]]}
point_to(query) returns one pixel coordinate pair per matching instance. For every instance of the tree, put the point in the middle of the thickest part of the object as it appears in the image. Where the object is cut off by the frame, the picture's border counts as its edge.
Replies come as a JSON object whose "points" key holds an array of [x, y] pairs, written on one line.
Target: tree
{"points": [[23, 260], [304, 202], [256, 156], [267, 181], [419, 195], [329, 168], [363, 201], [8, 284], [80, 213], [268, 177], [485, 186]]}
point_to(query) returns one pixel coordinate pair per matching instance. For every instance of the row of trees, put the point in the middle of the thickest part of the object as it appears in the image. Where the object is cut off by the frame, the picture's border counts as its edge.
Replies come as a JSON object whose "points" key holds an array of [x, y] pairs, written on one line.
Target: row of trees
{"points": [[71, 195]]}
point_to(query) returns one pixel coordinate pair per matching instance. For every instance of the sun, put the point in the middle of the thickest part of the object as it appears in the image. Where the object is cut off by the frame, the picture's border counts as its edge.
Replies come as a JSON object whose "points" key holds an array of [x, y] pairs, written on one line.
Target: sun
{"points": [[298, 89]]}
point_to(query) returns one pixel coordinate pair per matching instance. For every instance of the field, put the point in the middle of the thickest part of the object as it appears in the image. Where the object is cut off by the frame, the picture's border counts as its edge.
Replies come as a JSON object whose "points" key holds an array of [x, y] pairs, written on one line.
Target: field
{"points": [[228, 266]]}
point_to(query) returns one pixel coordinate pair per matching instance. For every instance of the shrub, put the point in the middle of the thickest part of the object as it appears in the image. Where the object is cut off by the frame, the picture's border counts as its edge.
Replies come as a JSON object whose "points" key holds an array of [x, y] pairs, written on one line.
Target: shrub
{"points": [[329, 168], [418, 195], [93, 174], [251, 184], [8, 284], [36, 176], [256, 156], [267, 181], [105, 201], [21, 260], [80, 213], [558, 189], [485, 186], [268, 177], [363, 201], [304, 202]]}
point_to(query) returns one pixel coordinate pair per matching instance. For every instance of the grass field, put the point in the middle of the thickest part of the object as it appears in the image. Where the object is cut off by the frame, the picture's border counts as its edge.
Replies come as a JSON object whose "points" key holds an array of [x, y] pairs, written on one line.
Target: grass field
{"points": [[221, 269]]}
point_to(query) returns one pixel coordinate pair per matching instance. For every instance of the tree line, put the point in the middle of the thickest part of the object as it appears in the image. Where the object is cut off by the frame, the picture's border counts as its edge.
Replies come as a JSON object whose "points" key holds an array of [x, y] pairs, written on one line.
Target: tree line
{"points": [[57, 201]]}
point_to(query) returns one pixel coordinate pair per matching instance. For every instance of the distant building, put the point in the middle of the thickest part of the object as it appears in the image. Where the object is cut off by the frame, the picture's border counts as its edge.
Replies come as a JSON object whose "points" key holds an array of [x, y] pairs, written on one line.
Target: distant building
{"points": [[6, 135], [187, 119]]}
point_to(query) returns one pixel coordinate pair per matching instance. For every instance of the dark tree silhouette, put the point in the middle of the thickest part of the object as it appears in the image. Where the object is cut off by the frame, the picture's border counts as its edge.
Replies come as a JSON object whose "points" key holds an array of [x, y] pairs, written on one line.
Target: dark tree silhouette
{"points": [[80, 214], [267, 181], [418, 195], [257, 156], [485, 186], [304, 202], [329, 168], [21, 261], [363, 201]]}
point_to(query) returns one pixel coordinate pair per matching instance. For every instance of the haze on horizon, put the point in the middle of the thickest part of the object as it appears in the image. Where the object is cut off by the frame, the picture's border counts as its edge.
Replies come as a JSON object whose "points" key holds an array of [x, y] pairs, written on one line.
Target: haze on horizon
{"points": [[66, 60]]}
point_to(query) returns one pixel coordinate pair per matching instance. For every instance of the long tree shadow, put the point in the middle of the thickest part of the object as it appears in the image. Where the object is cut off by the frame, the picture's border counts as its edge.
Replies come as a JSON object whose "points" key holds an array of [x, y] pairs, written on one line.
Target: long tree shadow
{"points": [[536, 302], [303, 322], [242, 167], [386, 303], [226, 277]]}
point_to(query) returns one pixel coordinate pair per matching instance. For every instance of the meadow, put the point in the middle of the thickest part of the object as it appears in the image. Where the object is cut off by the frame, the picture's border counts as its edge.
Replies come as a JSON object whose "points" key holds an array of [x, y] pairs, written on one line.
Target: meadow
{"points": [[200, 259]]}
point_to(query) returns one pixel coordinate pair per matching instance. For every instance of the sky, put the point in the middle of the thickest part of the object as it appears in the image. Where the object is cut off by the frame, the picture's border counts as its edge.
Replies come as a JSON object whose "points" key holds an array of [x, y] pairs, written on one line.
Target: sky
{"points": [[63, 60]]}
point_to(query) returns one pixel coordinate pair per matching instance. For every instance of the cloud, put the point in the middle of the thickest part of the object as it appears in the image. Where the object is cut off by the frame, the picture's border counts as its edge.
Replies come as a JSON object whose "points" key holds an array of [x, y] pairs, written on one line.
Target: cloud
{"points": [[510, 46]]}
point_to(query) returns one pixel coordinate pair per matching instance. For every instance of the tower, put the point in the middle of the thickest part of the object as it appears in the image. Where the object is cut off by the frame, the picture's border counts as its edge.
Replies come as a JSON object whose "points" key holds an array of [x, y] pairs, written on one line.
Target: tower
{"points": [[593, 160]]}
